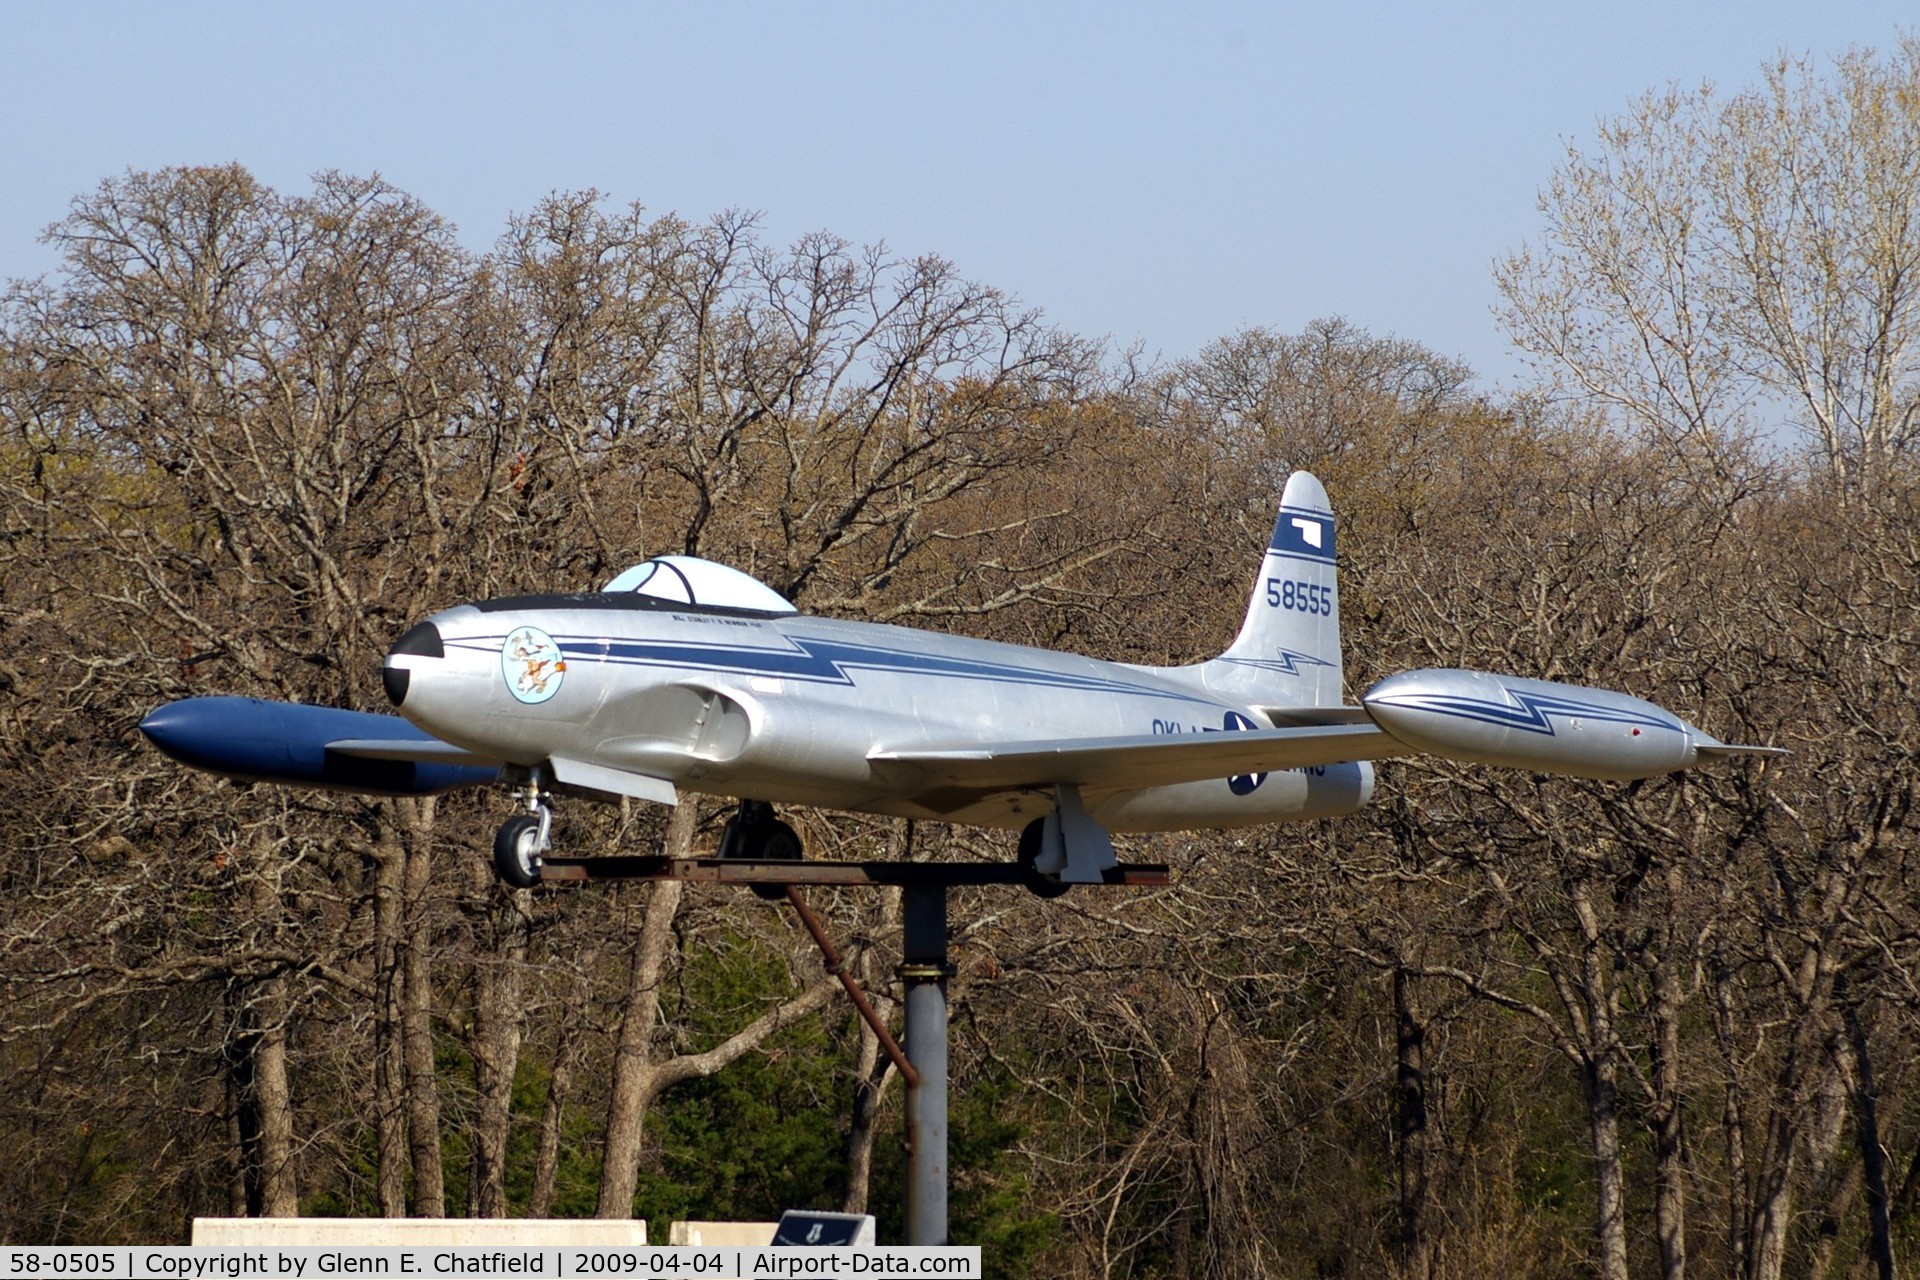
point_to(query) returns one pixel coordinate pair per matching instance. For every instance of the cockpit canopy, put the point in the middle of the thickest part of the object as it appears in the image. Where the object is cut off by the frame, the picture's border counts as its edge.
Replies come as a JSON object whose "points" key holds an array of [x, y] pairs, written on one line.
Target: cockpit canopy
{"points": [[691, 580]]}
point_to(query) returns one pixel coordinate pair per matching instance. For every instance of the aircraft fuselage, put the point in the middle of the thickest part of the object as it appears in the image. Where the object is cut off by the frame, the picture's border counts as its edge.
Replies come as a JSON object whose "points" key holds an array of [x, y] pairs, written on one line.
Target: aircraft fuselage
{"points": [[789, 708]]}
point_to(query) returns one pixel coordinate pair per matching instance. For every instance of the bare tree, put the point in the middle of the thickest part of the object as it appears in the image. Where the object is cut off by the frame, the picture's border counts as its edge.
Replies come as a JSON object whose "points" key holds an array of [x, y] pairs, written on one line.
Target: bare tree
{"points": [[641, 1071], [1714, 262]]}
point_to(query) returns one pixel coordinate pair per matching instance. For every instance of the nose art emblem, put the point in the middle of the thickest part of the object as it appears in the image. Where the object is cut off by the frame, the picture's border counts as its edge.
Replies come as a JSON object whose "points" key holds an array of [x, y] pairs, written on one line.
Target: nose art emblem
{"points": [[532, 664]]}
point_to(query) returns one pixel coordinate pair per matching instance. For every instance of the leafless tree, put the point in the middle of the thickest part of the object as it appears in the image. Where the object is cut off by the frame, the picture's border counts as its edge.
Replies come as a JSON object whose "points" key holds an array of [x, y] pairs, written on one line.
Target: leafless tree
{"points": [[1712, 262]]}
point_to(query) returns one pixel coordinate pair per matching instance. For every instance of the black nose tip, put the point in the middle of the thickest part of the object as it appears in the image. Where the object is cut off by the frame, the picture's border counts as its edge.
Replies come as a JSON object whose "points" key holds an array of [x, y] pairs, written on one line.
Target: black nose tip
{"points": [[422, 641]]}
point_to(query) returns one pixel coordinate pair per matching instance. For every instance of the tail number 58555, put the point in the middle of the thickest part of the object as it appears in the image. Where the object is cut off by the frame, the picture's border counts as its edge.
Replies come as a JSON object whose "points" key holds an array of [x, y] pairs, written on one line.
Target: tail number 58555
{"points": [[1301, 597]]}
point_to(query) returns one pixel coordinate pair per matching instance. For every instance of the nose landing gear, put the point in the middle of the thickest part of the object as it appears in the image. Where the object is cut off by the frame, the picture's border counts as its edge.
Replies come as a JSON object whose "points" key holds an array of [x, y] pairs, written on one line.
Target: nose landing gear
{"points": [[753, 834], [524, 839]]}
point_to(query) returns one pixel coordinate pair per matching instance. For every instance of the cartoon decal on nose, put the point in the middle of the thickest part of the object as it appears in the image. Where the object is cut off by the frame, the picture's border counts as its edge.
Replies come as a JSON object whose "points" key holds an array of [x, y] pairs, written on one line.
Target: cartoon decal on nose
{"points": [[1242, 784], [532, 664]]}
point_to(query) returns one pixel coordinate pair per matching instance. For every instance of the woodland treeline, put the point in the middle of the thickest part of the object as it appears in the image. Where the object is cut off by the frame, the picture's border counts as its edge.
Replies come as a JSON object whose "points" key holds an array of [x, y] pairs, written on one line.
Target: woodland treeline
{"points": [[1496, 1024]]}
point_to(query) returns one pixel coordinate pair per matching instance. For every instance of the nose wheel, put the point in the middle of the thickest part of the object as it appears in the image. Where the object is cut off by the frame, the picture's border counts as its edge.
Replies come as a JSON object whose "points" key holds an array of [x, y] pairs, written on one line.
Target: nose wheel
{"points": [[523, 840]]}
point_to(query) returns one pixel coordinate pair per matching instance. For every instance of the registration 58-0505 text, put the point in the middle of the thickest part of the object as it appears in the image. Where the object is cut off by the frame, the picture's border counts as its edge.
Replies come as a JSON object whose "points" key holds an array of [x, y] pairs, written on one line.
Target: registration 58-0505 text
{"points": [[74, 1262]]}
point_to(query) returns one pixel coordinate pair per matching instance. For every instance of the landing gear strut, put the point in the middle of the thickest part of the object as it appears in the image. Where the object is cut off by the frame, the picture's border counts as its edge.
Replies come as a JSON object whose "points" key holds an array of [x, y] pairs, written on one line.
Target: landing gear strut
{"points": [[754, 834], [525, 837], [1039, 883]]}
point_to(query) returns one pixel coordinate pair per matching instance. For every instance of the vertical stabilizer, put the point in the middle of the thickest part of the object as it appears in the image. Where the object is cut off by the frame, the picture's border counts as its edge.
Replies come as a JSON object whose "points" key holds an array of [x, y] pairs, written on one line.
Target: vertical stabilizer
{"points": [[1288, 649]]}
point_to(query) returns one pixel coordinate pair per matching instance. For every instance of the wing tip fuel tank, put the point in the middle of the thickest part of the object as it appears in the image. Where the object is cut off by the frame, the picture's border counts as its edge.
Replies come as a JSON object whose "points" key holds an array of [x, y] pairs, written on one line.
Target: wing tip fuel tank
{"points": [[1534, 724], [257, 740]]}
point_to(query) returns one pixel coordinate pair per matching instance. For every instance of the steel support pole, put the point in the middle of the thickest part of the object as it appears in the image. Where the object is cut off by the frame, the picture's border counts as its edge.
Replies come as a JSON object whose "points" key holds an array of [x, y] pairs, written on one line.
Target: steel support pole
{"points": [[923, 972]]}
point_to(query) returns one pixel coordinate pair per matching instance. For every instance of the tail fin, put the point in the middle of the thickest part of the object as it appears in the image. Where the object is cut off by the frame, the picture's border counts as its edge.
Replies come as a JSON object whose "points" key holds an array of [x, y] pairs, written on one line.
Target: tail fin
{"points": [[1288, 651]]}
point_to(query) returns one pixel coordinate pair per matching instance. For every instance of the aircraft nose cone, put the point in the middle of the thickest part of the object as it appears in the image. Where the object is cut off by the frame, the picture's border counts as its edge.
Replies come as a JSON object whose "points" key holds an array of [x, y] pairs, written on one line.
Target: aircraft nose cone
{"points": [[422, 642], [165, 726], [209, 733]]}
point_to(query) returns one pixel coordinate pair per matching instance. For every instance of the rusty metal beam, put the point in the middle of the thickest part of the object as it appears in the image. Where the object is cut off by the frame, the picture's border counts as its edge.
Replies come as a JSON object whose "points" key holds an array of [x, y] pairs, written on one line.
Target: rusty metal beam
{"points": [[746, 871], [838, 969]]}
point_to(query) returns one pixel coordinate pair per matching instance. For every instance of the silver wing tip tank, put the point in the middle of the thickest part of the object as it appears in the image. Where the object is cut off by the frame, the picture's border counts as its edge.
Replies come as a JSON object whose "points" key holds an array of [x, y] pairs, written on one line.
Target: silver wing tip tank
{"points": [[1540, 725]]}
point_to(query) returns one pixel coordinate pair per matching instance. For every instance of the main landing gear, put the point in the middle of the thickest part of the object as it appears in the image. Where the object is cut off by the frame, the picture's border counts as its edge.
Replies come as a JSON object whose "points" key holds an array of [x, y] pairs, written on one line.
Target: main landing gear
{"points": [[524, 839], [1039, 883], [754, 834]]}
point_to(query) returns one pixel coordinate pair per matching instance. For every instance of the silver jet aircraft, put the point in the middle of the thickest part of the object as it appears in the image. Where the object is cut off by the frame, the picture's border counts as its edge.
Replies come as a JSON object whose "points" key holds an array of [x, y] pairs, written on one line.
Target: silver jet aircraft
{"points": [[686, 675]]}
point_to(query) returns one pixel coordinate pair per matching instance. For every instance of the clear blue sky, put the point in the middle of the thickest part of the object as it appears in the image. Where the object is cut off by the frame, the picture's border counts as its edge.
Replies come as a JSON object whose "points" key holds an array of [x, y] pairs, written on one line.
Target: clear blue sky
{"points": [[1164, 174]]}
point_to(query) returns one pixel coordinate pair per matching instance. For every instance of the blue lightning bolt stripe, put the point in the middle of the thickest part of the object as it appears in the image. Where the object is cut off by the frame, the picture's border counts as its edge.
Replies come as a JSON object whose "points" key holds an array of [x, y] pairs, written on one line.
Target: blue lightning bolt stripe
{"points": [[1533, 714], [830, 662], [1288, 663]]}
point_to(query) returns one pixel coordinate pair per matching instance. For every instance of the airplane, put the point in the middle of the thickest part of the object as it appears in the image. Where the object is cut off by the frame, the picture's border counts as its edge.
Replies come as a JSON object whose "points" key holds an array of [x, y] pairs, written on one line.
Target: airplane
{"points": [[684, 675]]}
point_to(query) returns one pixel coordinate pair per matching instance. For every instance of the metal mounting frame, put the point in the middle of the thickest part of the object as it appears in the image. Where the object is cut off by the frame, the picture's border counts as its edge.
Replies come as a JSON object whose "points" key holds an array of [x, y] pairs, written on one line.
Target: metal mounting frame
{"points": [[1138, 875], [923, 972]]}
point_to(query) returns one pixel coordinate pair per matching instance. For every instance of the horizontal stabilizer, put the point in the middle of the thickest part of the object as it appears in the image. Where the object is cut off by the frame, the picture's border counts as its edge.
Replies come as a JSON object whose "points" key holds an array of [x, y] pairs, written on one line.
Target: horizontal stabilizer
{"points": [[1134, 762]]}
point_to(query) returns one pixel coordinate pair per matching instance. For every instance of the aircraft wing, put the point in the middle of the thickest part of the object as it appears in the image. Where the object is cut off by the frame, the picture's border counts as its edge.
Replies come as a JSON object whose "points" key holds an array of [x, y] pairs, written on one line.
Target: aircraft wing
{"points": [[1285, 716], [1153, 760], [420, 750]]}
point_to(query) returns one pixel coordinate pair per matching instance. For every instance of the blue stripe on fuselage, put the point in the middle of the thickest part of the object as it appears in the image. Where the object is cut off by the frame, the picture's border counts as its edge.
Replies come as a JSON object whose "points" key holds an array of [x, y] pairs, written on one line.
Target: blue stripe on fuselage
{"points": [[833, 662]]}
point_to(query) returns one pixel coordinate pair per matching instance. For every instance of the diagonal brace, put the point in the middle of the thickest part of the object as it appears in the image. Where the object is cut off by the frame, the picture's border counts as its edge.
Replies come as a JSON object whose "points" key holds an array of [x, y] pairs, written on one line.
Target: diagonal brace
{"points": [[837, 967]]}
